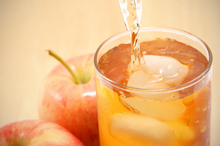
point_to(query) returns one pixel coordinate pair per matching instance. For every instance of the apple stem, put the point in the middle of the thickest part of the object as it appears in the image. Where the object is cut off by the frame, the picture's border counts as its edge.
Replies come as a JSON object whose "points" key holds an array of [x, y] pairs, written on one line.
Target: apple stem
{"points": [[77, 81]]}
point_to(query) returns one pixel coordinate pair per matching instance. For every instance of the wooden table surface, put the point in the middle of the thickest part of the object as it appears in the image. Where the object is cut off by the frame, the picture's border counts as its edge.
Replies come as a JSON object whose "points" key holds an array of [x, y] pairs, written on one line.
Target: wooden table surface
{"points": [[71, 28]]}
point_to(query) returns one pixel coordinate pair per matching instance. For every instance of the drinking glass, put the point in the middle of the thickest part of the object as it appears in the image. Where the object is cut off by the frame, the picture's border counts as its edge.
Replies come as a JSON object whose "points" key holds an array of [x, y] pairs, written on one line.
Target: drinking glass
{"points": [[126, 120]]}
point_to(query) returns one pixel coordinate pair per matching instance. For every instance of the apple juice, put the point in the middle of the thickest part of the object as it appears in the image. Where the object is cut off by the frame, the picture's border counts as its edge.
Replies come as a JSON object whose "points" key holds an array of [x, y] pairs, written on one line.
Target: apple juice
{"points": [[158, 103]]}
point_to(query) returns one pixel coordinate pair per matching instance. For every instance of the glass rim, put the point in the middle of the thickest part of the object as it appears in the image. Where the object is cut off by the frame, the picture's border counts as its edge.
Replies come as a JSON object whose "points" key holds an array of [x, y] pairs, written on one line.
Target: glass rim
{"points": [[158, 29]]}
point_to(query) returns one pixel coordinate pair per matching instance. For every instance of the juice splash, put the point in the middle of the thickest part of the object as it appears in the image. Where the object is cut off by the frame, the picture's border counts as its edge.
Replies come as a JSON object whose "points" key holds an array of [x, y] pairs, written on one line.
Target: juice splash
{"points": [[132, 11]]}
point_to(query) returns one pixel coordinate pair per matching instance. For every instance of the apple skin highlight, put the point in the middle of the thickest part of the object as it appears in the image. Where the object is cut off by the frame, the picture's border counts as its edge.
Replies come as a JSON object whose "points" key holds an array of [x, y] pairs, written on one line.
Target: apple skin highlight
{"points": [[70, 104], [36, 133]]}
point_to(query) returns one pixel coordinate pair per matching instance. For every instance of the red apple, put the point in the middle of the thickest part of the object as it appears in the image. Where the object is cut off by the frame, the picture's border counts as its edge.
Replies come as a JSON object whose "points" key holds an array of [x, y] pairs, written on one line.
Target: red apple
{"points": [[69, 98], [36, 133]]}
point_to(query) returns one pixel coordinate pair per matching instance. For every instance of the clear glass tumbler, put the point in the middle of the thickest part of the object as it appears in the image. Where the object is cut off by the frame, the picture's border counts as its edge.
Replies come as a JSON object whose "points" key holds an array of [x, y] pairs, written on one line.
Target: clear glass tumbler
{"points": [[127, 118]]}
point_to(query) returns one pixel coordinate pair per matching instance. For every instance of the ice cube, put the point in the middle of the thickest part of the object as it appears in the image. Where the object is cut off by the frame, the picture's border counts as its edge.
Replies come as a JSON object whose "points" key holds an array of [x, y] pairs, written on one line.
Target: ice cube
{"points": [[170, 69], [158, 72], [140, 79], [168, 111], [133, 129]]}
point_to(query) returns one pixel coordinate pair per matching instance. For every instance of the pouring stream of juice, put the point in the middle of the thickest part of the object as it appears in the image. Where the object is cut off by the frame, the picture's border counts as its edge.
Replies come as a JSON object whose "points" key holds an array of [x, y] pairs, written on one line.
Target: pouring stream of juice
{"points": [[132, 11]]}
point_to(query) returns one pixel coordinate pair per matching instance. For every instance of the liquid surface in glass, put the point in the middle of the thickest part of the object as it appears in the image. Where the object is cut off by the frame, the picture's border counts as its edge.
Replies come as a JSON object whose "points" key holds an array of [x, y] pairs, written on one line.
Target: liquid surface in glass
{"points": [[130, 117]]}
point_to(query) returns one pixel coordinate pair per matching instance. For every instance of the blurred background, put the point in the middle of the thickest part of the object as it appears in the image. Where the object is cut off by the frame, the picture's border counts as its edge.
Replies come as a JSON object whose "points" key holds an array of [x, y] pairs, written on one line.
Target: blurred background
{"points": [[71, 27]]}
